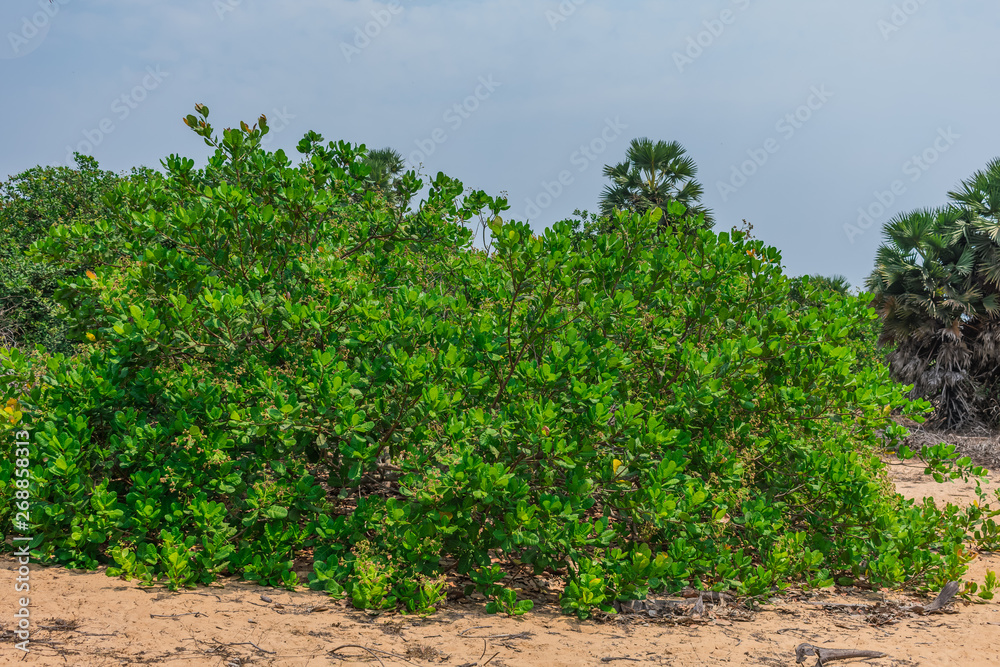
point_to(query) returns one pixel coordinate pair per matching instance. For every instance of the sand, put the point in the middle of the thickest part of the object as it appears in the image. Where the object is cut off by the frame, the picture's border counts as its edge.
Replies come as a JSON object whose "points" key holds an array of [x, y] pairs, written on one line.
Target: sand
{"points": [[87, 618]]}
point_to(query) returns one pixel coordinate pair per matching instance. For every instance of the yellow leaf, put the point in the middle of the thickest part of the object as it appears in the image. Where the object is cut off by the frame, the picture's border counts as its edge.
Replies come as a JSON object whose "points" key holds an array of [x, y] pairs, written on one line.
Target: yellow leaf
{"points": [[91, 337], [91, 275]]}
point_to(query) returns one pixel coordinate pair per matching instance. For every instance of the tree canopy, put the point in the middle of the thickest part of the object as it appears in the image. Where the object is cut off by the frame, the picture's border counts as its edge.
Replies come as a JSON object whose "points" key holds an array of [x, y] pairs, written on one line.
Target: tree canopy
{"points": [[652, 175], [936, 282]]}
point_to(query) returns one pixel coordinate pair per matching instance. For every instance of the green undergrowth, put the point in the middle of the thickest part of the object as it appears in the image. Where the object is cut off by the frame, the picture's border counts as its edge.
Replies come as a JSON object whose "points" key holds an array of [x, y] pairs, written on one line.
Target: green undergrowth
{"points": [[30, 203], [274, 360]]}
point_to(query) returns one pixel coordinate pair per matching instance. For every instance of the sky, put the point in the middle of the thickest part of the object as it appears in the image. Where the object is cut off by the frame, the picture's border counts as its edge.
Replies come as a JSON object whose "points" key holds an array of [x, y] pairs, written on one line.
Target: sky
{"points": [[814, 121]]}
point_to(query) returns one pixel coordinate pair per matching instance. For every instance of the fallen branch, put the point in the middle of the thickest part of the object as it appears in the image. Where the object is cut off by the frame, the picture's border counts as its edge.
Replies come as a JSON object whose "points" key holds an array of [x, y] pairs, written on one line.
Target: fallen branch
{"points": [[516, 635], [943, 598], [824, 655]]}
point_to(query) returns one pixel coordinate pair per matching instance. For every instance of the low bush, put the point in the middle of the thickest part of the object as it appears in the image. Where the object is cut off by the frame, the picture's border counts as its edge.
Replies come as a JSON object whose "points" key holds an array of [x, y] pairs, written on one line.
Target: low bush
{"points": [[278, 364]]}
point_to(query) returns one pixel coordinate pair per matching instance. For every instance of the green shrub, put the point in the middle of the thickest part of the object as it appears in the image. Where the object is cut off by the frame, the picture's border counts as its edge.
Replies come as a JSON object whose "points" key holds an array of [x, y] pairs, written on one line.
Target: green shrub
{"points": [[30, 204], [283, 362]]}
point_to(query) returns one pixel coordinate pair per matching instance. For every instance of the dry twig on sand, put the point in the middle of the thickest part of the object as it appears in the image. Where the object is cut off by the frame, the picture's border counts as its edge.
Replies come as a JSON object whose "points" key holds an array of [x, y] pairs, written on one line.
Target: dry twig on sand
{"points": [[825, 655], [374, 652]]}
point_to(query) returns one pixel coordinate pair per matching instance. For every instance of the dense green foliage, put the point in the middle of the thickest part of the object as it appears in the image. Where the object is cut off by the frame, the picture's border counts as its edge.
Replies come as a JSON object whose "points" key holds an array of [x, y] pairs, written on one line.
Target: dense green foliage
{"points": [[30, 203], [937, 285], [286, 365]]}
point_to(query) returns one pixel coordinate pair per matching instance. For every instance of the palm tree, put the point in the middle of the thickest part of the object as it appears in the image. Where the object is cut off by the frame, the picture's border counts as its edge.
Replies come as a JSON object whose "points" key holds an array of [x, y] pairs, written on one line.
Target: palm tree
{"points": [[810, 291], [835, 283], [928, 288], [652, 175], [979, 198], [387, 166]]}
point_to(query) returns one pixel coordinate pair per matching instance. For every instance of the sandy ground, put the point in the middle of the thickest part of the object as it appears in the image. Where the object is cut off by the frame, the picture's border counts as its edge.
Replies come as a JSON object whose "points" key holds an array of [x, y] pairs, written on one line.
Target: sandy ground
{"points": [[86, 618]]}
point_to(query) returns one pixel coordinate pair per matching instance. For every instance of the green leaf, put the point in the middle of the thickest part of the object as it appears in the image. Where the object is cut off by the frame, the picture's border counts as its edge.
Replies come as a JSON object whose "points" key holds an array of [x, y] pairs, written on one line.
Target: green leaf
{"points": [[275, 512]]}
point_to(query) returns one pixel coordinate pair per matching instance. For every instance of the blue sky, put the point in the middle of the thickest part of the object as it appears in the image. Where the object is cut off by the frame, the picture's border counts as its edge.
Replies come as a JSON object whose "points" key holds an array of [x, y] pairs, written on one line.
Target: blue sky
{"points": [[800, 115]]}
